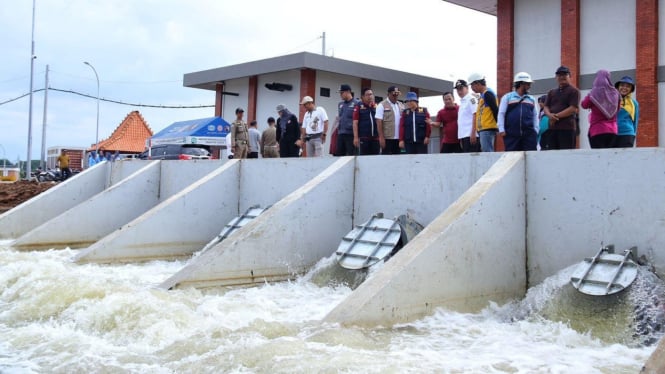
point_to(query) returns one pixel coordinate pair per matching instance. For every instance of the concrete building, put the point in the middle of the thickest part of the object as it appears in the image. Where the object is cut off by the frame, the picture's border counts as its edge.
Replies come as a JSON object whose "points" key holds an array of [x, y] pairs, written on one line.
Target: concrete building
{"points": [[622, 36], [259, 86]]}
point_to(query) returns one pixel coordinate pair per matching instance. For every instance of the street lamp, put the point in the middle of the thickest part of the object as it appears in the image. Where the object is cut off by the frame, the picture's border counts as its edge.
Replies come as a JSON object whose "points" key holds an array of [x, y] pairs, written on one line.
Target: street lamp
{"points": [[97, 132]]}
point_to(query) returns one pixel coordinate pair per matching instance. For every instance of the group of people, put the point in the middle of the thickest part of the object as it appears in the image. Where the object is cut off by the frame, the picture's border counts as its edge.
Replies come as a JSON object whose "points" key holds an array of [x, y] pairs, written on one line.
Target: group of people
{"points": [[95, 157], [364, 127], [552, 121]]}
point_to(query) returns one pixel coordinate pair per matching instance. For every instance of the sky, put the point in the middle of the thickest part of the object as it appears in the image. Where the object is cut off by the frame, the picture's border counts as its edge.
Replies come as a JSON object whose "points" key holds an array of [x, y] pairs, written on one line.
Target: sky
{"points": [[142, 48]]}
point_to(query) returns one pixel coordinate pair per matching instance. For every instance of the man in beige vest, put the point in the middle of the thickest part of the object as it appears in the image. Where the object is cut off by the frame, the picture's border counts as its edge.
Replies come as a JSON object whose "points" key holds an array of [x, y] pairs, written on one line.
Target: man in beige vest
{"points": [[269, 146], [239, 135], [388, 114]]}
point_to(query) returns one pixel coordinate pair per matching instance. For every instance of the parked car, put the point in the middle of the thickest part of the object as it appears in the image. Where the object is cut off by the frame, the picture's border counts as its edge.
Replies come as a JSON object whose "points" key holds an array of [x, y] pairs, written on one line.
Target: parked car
{"points": [[177, 152]]}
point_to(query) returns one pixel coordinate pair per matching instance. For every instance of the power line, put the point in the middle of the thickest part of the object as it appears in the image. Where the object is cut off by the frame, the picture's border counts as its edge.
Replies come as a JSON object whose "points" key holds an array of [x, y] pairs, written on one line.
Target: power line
{"points": [[112, 101]]}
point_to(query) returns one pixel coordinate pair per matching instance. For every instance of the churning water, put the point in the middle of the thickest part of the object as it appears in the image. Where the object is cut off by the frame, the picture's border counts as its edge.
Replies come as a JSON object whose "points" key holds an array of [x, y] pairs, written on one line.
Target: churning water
{"points": [[60, 317]]}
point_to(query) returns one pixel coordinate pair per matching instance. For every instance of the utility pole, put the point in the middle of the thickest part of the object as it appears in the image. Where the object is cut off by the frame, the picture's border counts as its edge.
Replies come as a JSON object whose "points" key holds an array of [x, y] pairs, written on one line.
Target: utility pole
{"points": [[28, 168], [42, 162], [323, 42]]}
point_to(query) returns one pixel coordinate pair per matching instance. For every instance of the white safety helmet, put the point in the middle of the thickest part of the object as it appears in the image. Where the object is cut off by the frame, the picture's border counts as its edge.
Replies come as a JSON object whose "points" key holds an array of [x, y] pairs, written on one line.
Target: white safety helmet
{"points": [[522, 77], [474, 77]]}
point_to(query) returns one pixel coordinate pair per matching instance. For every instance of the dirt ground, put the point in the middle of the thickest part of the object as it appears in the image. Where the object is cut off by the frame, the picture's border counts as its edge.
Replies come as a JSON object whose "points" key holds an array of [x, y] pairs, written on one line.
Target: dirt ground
{"points": [[13, 194]]}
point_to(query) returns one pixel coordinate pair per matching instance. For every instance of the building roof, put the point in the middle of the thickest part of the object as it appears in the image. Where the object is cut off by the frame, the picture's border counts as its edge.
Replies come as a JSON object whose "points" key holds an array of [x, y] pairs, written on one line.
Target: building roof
{"points": [[207, 79], [485, 6], [128, 137]]}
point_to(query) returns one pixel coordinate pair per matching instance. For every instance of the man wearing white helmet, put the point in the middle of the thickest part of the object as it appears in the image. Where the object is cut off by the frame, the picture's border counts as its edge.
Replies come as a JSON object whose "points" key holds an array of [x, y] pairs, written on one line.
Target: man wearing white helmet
{"points": [[486, 113], [518, 116]]}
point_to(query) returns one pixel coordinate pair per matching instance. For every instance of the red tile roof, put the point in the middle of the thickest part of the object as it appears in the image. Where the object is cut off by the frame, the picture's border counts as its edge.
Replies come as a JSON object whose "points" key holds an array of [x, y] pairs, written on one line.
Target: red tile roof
{"points": [[128, 137]]}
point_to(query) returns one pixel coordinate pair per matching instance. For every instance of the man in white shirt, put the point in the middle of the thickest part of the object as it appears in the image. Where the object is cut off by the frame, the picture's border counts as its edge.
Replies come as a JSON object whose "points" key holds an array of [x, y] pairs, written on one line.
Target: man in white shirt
{"points": [[465, 129], [388, 115], [314, 127]]}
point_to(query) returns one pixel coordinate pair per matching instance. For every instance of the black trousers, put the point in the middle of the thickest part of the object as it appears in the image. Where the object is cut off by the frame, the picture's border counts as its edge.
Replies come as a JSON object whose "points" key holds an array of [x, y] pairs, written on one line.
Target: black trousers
{"points": [[287, 148], [602, 141], [369, 147], [624, 141], [415, 148], [345, 145], [467, 147], [392, 147], [451, 148], [561, 139]]}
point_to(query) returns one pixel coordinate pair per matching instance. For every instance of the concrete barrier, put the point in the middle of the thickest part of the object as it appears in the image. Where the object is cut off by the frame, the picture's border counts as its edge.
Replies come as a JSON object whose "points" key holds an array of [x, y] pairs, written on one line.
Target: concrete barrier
{"points": [[579, 200], [473, 252], [185, 221], [173, 228], [421, 185], [53, 202], [287, 239], [103, 213]]}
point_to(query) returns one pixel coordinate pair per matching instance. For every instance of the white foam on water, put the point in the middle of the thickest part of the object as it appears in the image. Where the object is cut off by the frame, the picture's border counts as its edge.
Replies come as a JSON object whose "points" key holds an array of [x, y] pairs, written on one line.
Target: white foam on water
{"points": [[57, 316]]}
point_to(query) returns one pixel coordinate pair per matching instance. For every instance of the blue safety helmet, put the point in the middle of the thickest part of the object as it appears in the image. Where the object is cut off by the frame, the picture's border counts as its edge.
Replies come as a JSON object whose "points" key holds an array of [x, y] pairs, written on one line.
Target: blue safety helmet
{"points": [[626, 79], [411, 96]]}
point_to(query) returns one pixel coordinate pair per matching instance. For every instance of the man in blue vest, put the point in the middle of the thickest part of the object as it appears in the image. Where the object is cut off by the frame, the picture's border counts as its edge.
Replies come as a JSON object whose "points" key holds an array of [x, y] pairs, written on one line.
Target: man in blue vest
{"points": [[344, 122], [415, 126], [365, 132], [518, 116]]}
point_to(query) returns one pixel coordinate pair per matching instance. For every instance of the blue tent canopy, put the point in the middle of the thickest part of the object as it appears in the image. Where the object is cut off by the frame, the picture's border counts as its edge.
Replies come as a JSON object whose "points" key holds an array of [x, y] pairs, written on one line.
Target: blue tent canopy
{"points": [[206, 131]]}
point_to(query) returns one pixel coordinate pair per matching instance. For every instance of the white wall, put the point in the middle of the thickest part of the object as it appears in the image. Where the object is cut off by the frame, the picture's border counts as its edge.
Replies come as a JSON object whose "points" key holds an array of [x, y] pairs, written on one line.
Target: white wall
{"points": [[537, 38], [607, 39], [268, 100], [230, 102]]}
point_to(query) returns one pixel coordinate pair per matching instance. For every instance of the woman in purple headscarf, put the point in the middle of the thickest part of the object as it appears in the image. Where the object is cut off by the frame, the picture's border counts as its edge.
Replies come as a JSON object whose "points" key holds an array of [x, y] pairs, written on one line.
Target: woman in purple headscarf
{"points": [[604, 103]]}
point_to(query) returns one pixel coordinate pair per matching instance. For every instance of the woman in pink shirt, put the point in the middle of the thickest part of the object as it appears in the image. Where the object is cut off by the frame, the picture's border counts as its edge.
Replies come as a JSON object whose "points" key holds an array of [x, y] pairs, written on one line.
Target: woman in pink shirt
{"points": [[604, 103]]}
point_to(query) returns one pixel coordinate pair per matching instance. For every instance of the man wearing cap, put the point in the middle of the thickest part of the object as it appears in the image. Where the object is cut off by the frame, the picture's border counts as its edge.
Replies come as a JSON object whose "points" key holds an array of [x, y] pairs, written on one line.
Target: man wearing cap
{"points": [[628, 115], [239, 135], [388, 114], [269, 146], [344, 122], [288, 133], [365, 132], [467, 109], [486, 112], [518, 116], [561, 107], [314, 127], [415, 127]]}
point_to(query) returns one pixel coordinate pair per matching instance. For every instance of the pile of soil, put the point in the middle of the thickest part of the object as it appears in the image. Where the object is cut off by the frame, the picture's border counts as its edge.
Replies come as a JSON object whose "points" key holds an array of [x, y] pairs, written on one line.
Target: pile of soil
{"points": [[13, 194]]}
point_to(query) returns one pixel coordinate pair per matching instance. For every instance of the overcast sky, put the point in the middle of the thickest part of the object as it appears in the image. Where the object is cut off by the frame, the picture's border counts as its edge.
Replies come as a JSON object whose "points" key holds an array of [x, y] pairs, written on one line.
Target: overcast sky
{"points": [[142, 48]]}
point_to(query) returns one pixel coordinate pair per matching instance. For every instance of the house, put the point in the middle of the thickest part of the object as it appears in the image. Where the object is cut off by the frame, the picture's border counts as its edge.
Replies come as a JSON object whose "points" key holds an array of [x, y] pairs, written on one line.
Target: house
{"points": [[128, 138], [626, 37]]}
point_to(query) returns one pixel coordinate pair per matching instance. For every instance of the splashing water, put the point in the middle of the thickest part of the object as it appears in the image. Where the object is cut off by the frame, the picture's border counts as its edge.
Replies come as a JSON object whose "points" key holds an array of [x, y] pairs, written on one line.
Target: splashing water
{"points": [[60, 317]]}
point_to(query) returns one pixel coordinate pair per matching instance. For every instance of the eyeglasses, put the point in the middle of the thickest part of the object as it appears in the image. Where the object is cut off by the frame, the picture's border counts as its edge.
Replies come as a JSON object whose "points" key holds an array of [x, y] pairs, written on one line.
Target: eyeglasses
{"points": [[396, 93]]}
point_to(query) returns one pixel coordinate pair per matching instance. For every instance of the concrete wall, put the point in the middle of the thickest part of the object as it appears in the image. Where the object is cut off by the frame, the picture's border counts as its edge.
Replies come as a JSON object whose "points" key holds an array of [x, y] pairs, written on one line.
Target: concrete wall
{"points": [[53, 202], [473, 252], [98, 216], [285, 240], [187, 220], [176, 175], [422, 186], [177, 226], [579, 200]]}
